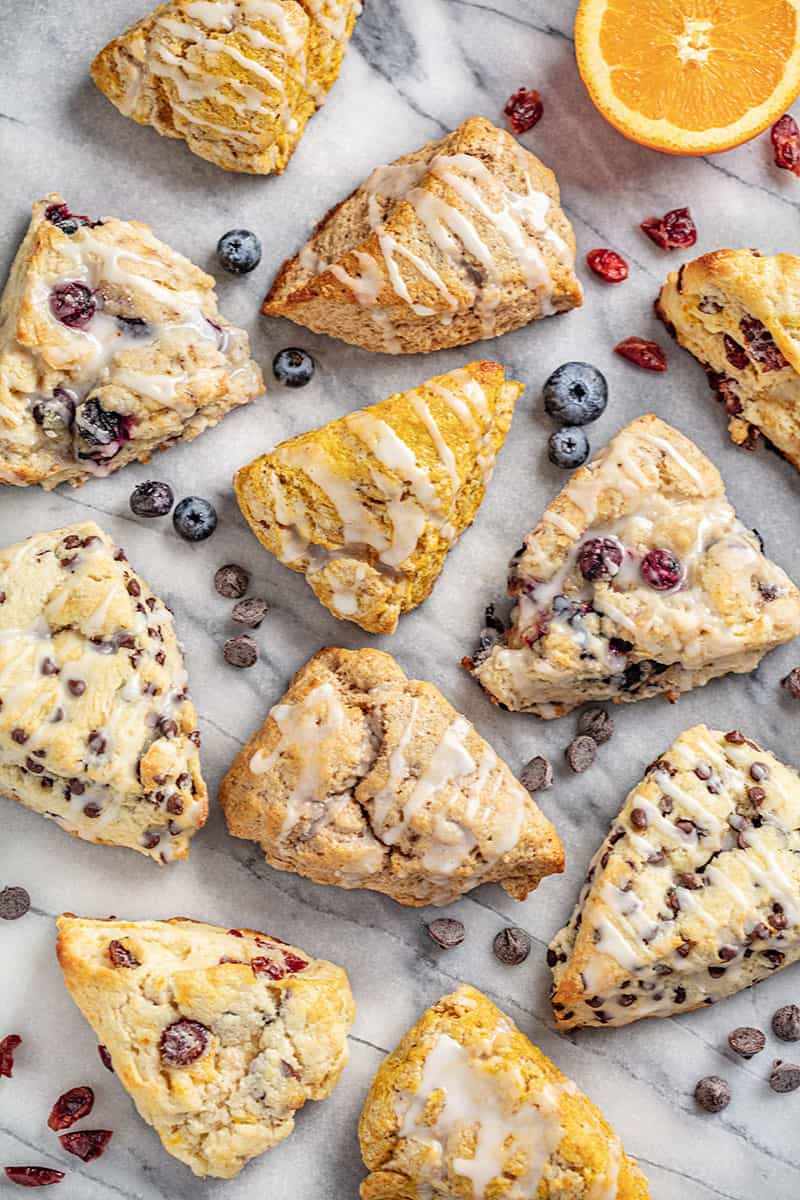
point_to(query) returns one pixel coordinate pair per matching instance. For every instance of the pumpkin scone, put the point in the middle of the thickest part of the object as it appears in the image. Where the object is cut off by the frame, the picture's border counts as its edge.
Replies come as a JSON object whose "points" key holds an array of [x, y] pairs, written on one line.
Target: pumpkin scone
{"points": [[362, 777], [695, 893], [111, 347], [638, 580], [97, 731], [237, 80], [462, 240], [368, 506], [218, 1035], [466, 1107]]}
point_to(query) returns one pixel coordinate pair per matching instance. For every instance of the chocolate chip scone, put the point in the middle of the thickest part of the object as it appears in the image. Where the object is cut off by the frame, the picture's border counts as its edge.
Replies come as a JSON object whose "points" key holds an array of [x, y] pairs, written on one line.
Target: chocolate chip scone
{"points": [[219, 1035], [466, 1106], [462, 240], [237, 80], [362, 777], [694, 895], [111, 347], [638, 580], [97, 731], [738, 313], [368, 506]]}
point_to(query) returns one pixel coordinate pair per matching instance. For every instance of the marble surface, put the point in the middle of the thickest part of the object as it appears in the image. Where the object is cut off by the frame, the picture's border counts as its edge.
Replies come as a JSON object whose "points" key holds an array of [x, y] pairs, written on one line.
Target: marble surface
{"points": [[415, 69]]}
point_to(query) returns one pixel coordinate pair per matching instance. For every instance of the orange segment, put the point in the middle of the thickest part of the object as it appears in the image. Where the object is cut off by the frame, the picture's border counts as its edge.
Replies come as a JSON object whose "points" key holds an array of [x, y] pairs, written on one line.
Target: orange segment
{"points": [[690, 76]]}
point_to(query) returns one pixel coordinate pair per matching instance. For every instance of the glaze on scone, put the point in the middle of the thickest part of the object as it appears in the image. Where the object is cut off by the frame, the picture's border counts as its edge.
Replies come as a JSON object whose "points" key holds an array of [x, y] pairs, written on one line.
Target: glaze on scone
{"points": [[739, 314], [96, 728], [694, 895], [144, 360], [218, 1035], [237, 80], [467, 1107], [368, 506], [461, 240], [652, 500], [361, 777]]}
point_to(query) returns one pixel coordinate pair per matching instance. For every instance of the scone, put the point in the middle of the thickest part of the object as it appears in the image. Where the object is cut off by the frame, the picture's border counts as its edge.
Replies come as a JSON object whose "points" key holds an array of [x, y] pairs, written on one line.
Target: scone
{"points": [[694, 895], [219, 1035], [461, 240], [638, 579], [111, 347], [368, 506], [236, 79], [362, 777], [467, 1107], [97, 731], [739, 314]]}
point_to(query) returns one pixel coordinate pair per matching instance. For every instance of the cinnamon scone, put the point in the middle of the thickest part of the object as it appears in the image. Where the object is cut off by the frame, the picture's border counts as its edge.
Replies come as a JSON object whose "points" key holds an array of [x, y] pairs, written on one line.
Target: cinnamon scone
{"points": [[461, 240], [97, 731], [368, 506], [467, 1107], [695, 893], [362, 777], [237, 80], [111, 347], [218, 1035], [638, 579]]}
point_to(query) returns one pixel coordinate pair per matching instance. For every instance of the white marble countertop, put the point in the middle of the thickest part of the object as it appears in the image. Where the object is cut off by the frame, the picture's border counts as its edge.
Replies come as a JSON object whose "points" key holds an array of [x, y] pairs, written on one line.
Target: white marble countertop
{"points": [[415, 69]]}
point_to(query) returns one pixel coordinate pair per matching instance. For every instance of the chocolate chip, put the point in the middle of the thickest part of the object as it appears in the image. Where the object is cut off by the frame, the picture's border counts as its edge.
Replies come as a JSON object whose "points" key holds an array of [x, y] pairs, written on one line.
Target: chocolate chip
{"points": [[735, 737], [759, 771], [703, 770], [96, 742], [14, 903], [712, 1093], [250, 612], [231, 581], [76, 686], [756, 795], [786, 1023], [791, 683], [580, 753], [19, 736], [552, 958], [512, 946], [685, 826], [746, 1041], [536, 775], [446, 932], [240, 651], [133, 588], [49, 667], [597, 723], [167, 727], [727, 953], [639, 818], [784, 1077]]}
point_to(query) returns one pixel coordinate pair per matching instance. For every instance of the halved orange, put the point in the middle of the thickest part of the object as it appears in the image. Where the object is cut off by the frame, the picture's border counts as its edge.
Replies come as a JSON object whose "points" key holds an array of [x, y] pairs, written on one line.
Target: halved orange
{"points": [[690, 76]]}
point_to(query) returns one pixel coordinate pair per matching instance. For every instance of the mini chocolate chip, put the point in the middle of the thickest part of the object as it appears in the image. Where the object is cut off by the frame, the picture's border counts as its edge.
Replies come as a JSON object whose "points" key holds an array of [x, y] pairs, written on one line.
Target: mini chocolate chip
{"points": [[716, 972], [536, 775], [703, 771], [679, 995], [150, 839], [685, 826], [231, 581], [14, 903], [240, 651], [174, 804], [511, 946], [597, 723], [446, 932], [687, 879], [735, 737], [683, 949], [552, 958], [133, 588], [712, 1093], [250, 612], [746, 1041], [639, 818], [756, 795], [626, 999], [791, 683], [784, 1077], [96, 742], [167, 727], [92, 810], [760, 931], [19, 736], [727, 953], [580, 753], [49, 667], [759, 771], [76, 686], [786, 1023]]}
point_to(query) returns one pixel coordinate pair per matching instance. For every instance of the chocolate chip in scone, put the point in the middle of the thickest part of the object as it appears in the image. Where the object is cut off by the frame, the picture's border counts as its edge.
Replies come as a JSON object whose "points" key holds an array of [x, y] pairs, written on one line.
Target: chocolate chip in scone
{"points": [[784, 1077], [231, 581], [14, 903], [746, 1041], [536, 775], [240, 651], [511, 946], [446, 932], [639, 818], [250, 612], [712, 1093], [580, 753], [597, 723], [791, 683], [786, 1023]]}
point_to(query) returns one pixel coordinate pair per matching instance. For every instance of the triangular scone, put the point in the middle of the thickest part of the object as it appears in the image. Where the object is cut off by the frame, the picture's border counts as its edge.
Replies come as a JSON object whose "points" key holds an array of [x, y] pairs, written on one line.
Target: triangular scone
{"points": [[638, 579], [739, 314], [362, 777], [466, 1106], [462, 240], [219, 1035], [111, 347], [368, 506], [237, 80], [96, 727], [694, 895]]}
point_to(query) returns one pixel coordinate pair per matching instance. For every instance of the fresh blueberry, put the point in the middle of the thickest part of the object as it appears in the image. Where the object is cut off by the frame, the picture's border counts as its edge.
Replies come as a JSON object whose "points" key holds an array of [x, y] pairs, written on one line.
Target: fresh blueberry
{"points": [[73, 304], [152, 499], [575, 394], [568, 448], [293, 368], [239, 251], [68, 222], [99, 427], [135, 327], [56, 414], [195, 519]]}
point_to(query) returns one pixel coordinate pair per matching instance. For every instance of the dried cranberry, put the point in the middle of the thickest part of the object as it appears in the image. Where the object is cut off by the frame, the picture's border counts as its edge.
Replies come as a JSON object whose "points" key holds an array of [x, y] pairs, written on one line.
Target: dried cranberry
{"points": [[600, 558], [293, 962], [786, 144], [72, 1106], [32, 1177], [673, 231], [643, 353], [87, 1144], [608, 265], [183, 1042], [105, 1058], [121, 956], [72, 304], [661, 569], [7, 1048], [267, 966], [761, 345], [524, 110], [736, 355]]}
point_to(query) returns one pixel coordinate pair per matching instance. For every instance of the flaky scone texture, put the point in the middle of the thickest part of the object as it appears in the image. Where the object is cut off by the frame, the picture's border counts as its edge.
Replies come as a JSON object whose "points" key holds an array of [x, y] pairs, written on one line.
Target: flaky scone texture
{"points": [[111, 347], [218, 1035], [695, 893], [638, 580], [97, 731], [237, 80], [466, 1108], [462, 240], [361, 777], [368, 506]]}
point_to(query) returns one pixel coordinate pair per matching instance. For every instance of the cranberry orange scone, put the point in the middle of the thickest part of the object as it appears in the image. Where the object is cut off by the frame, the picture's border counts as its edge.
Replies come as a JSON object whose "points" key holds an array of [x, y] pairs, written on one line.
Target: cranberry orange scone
{"points": [[361, 777], [638, 579], [467, 1106], [96, 728], [462, 240], [219, 1035], [111, 347]]}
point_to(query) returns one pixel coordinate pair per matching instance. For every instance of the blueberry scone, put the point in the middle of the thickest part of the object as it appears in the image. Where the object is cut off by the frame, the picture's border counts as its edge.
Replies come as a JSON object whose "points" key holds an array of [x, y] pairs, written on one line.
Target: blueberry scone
{"points": [[111, 347], [461, 240], [368, 506], [638, 579], [695, 893], [467, 1107], [739, 313], [97, 731], [237, 80], [362, 777], [219, 1035]]}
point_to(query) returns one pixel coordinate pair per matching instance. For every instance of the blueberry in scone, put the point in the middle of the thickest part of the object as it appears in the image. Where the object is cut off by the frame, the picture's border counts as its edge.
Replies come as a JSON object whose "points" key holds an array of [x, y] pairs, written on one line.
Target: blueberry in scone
{"points": [[219, 1035]]}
